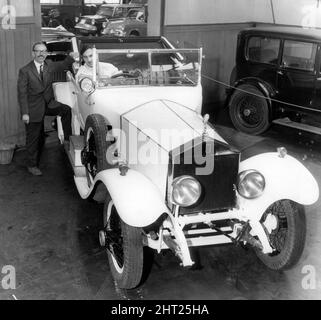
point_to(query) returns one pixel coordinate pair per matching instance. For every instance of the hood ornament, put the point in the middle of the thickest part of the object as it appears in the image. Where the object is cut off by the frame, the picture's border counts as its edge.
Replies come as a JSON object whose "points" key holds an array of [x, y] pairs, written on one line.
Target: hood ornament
{"points": [[282, 152], [206, 118]]}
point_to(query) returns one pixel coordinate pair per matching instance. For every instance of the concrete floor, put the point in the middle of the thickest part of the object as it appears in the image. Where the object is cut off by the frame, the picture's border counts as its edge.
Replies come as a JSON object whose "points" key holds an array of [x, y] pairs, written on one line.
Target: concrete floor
{"points": [[50, 235]]}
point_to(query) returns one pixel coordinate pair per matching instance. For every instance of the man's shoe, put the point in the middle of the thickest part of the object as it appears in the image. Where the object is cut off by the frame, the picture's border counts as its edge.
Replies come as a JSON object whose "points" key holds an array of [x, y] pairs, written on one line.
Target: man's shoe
{"points": [[35, 171]]}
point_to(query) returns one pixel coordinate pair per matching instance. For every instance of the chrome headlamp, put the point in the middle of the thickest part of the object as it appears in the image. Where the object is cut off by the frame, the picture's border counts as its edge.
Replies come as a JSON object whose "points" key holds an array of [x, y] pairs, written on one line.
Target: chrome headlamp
{"points": [[87, 85], [186, 191], [251, 184]]}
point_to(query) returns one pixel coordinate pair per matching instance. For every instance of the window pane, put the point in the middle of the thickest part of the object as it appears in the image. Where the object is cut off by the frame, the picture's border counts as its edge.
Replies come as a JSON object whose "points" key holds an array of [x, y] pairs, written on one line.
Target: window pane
{"points": [[265, 50], [299, 55], [23, 8], [3, 3], [106, 11]]}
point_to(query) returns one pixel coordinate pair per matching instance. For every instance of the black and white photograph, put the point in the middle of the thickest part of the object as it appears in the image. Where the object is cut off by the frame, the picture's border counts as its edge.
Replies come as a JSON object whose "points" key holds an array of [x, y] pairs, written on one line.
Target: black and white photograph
{"points": [[160, 150]]}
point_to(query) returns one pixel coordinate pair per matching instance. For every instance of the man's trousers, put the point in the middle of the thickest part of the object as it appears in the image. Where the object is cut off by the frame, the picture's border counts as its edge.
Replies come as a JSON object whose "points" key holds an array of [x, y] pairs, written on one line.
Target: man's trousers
{"points": [[35, 136]]}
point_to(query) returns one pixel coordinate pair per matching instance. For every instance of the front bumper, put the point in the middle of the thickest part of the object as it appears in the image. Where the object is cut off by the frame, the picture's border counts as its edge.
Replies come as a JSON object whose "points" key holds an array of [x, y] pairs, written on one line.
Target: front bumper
{"points": [[113, 33]]}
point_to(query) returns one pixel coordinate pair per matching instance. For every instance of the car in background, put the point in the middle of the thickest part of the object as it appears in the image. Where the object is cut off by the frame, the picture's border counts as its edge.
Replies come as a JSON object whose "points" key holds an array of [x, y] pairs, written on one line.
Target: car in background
{"points": [[277, 78], [59, 43], [134, 24], [54, 15], [93, 24]]}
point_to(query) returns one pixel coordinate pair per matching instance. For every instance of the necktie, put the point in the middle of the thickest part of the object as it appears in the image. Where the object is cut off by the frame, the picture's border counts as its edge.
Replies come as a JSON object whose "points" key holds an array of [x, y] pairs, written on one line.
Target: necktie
{"points": [[41, 72]]}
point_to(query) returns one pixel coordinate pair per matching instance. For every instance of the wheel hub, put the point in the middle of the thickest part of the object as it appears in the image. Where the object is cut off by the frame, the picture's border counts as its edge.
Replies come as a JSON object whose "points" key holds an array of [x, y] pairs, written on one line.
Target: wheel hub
{"points": [[247, 112], [87, 157], [108, 238], [271, 223], [102, 238]]}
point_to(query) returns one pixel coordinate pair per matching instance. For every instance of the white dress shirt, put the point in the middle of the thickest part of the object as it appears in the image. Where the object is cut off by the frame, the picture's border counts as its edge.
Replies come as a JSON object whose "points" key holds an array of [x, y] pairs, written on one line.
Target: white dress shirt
{"points": [[38, 65], [105, 70]]}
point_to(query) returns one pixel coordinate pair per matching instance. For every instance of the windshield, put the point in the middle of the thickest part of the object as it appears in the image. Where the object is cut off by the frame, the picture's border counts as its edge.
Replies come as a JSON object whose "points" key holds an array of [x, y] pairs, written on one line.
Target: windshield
{"points": [[133, 13], [153, 67], [106, 11]]}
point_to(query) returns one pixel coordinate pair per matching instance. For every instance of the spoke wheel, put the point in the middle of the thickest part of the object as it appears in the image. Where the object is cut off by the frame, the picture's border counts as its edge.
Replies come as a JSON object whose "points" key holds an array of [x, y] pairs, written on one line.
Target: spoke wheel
{"points": [[249, 110], [94, 155], [287, 236], [124, 245]]}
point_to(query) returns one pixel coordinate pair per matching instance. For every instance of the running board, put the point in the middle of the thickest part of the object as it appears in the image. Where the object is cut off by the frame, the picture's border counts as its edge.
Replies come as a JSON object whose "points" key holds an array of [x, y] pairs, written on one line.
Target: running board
{"points": [[82, 186], [73, 150], [296, 125]]}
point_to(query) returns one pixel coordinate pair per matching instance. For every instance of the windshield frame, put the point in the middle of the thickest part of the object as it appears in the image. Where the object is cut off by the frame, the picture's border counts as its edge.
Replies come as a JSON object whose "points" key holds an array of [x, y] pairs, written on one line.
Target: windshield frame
{"points": [[177, 52]]}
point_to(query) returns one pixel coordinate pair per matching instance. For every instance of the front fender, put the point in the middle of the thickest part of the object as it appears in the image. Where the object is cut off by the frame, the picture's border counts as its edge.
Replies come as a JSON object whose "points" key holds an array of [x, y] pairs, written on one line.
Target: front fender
{"points": [[138, 201], [286, 178]]}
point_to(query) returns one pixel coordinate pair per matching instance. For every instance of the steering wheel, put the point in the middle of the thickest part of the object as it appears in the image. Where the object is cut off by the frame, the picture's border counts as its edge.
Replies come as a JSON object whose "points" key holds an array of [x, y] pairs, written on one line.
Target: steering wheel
{"points": [[122, 74], [136, 74]]}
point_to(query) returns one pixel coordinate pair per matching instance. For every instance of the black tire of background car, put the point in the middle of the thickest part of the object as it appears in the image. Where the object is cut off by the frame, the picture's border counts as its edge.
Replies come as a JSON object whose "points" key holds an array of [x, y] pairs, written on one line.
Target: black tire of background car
{"points": [[133, 252], [134, 34], [257, 121], [295, 235], [100, 129]]}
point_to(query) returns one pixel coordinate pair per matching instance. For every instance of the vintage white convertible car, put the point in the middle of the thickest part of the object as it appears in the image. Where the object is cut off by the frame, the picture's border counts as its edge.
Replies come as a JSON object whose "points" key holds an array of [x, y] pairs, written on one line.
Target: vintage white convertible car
{"points": [[168, 179]]}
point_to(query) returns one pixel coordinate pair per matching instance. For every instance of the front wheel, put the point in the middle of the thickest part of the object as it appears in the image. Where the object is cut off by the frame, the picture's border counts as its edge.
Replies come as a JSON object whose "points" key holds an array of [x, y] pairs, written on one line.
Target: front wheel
{"points": [[124, 248], [249, 110], [285, 223]]}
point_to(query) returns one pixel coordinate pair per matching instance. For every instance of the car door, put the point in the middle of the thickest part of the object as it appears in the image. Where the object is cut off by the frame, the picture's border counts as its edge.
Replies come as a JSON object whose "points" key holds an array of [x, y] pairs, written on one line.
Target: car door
{"points": [[85, 105], [140, 24], [262, 54], [297, 74]]}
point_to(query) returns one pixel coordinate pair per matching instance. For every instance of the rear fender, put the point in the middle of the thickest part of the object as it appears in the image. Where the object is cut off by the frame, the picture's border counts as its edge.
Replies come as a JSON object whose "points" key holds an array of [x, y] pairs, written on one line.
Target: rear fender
{"points": [[265, 88]]}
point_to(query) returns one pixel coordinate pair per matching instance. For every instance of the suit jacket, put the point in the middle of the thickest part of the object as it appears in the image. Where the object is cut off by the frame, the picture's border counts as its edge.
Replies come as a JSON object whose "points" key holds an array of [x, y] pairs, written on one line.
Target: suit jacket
{"points": [[35, 96]]}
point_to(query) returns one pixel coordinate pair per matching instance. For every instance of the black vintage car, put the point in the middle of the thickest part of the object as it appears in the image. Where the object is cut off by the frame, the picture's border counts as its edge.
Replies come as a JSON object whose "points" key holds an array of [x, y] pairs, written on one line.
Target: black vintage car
{"points": [[277, 76]]}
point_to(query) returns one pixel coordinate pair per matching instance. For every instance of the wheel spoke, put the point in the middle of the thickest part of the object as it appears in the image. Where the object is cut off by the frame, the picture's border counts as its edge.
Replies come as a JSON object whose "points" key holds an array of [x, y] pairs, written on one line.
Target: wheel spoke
{"points": [[278, 236], [250, 111], [92, 158], [116, 240]]}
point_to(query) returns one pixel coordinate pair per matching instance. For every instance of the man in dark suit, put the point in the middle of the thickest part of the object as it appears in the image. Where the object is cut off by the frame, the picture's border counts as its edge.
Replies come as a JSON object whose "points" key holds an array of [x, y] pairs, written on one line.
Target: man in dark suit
{"points": [[36, 99]]}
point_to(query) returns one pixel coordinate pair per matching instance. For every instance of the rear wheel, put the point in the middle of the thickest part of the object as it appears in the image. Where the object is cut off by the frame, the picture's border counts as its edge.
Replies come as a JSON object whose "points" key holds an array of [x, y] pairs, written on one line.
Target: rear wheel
{"points": [[124, 248], [286, 225], [249, 110], [134, 34], [97, 142]]}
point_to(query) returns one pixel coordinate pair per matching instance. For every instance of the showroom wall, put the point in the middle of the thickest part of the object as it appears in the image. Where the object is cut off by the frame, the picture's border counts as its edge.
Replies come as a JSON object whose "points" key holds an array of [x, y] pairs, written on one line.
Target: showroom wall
{"points": [[214, 25], [18, 30]]}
